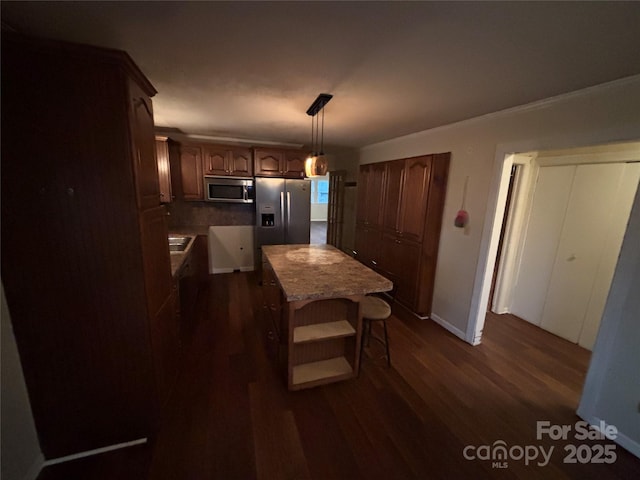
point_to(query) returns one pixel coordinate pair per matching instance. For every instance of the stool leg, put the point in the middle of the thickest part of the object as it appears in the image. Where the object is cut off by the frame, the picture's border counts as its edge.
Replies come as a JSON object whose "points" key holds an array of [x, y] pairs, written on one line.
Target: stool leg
{"points": [[386, 343], [364, 334]]}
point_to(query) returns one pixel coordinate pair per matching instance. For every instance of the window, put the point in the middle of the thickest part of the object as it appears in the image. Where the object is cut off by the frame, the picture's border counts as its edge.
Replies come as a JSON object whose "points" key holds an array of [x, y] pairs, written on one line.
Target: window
{"points": [[319, 191]]}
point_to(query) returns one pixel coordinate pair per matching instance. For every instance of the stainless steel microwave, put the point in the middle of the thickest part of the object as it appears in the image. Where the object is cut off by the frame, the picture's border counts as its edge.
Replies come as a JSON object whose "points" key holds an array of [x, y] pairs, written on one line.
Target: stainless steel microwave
{"points": [[229, 189]]}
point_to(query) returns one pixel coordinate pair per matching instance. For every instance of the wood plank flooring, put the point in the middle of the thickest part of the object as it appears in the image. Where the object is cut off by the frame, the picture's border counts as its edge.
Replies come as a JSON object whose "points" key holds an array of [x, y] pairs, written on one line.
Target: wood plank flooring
{"points": [[231, 416]]}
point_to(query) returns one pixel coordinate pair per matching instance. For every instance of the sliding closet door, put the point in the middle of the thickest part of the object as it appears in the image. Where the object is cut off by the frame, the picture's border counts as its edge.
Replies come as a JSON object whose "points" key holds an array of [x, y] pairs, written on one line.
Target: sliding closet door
{"points": [[611, 251], [590, 218], [541, 243]]}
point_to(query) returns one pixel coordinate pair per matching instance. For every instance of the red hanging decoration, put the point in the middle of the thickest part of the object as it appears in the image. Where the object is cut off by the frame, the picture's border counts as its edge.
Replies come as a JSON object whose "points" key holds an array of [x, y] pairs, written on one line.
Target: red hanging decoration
{"points": [[462, 217]]}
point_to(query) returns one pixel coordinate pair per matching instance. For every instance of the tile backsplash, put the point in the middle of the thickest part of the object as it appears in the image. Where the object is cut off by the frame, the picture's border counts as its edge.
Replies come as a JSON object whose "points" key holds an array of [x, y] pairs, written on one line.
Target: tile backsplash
{"points": [[186, 214]]}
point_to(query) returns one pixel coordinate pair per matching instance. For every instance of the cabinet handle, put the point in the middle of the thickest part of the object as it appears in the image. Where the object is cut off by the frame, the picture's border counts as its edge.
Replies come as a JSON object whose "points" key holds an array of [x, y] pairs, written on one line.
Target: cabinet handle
{"points": [[374, 262]]}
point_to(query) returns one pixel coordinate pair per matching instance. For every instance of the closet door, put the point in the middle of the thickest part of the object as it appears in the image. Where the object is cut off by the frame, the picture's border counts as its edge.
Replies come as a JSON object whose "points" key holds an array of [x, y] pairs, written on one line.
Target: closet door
{"points": [[539, 250], [587, 224], [611, 251]]}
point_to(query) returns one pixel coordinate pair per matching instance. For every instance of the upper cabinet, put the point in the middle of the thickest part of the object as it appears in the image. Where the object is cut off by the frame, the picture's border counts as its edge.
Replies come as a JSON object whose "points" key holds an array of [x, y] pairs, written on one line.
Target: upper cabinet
{"points": [[145, 164], [227, 160], [294, 161], [191, 175], [415, 191], [370, 189], [275, 162], [164, 170]]}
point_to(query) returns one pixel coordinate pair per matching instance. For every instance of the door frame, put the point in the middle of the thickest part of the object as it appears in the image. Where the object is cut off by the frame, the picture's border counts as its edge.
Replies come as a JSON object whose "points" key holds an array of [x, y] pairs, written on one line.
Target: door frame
{"points": [[504, 159]]}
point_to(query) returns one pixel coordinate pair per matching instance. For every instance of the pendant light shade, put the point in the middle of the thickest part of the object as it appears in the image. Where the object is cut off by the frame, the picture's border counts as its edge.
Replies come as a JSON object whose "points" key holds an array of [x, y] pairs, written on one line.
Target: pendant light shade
{"points": [[316, 163], [315, 166]]}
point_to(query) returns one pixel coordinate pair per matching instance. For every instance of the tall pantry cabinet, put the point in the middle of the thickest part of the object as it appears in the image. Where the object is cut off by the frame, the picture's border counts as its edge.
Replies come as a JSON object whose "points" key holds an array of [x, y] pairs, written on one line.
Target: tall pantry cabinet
{"points": [[85, 259], [398, 221]]}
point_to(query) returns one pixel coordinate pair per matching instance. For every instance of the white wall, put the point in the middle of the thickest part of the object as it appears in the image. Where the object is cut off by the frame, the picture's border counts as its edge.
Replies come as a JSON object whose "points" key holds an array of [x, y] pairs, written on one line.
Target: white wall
{"points": [[20, 450], [599, 115], [612, 389], [319, 212]]}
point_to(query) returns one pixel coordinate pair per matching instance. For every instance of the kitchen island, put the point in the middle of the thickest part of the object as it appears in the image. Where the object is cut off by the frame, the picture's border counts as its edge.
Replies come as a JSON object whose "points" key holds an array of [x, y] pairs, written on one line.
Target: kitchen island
{"points": [[313, 294]]}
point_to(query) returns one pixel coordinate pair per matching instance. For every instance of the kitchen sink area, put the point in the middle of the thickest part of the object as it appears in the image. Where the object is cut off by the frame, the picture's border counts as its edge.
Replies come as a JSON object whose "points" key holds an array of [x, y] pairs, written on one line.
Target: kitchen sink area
{"points": [[178, 243]]}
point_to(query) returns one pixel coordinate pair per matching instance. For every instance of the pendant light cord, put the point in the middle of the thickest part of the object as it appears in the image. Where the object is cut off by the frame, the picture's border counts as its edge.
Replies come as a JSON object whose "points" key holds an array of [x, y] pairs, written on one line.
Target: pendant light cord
{"points": [[322, 137]]}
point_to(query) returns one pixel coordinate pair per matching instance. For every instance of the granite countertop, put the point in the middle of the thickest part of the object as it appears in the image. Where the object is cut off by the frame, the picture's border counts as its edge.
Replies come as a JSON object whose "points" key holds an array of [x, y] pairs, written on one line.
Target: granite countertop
{"points": [[178, 258], [321, 271]]}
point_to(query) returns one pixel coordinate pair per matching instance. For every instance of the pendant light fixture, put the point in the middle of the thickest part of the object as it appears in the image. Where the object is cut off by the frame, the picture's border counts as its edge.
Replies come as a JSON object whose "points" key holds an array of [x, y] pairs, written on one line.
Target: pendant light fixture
{"points": [[316, 163]]}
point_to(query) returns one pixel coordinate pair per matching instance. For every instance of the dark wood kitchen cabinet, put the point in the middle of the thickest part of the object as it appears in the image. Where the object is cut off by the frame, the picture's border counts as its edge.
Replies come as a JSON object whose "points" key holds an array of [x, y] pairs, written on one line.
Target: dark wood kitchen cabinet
{"points": [[85, 260], [164, 169], [191, 174], [273, 162], [227, 160], [398, 222], [369, 207]]}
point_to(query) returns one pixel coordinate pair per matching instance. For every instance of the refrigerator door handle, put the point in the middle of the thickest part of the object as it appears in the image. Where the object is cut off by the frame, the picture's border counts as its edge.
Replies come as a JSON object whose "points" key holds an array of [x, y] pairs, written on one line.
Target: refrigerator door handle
{"points": [[288, 209], [282, 209]]}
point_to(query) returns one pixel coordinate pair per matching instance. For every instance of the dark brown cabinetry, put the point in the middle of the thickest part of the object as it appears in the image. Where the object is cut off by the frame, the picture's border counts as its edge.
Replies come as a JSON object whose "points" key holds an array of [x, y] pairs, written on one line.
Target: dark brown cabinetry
{"points": [[198, 160], [227, 160], [272, 162], [191, 175], [398, 222], [164, 169], [371, 180], [85, 261], [192, 274]]}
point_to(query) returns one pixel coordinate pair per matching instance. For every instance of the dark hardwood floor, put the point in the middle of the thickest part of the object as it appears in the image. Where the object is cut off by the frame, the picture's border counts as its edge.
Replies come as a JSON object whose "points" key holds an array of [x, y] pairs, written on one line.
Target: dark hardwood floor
{"points": [[231, 416]]}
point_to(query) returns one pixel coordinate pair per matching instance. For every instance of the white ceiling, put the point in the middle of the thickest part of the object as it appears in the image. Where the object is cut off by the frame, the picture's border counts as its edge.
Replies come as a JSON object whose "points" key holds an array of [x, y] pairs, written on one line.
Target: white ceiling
{"points": [[251, 70]]}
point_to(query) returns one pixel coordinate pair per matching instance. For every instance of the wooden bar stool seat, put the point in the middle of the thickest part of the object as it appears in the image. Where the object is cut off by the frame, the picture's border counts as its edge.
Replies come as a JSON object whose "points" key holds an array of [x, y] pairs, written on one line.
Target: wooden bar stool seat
{"points": [[376, 309]]}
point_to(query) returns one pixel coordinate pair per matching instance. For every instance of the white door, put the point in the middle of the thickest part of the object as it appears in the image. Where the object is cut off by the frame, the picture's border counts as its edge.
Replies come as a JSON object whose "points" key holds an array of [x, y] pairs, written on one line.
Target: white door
{"points": [[547, 215], [595, 220]]}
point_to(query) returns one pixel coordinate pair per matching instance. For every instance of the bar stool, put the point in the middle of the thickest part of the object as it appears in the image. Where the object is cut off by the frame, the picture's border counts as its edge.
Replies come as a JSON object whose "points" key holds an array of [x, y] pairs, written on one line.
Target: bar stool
{"points": [[377, 309]]}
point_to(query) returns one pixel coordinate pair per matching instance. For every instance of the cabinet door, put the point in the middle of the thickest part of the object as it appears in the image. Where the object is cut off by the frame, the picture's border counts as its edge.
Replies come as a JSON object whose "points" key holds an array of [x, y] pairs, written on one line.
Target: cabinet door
{"points": [[368, 244], [241, 162], [166, 346], [268, 162], [408, 267], [191, 173], [415, 193], [363, 179], [155, 258], [164, 170], [402, 260], [215, 160], [145, 164], [373, 203], [294, 163], [394, 176]]}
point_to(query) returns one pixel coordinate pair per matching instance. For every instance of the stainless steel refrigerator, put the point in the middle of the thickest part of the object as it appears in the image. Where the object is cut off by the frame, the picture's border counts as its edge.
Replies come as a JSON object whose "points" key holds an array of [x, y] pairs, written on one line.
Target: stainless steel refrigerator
{"points": [[283, 211]]}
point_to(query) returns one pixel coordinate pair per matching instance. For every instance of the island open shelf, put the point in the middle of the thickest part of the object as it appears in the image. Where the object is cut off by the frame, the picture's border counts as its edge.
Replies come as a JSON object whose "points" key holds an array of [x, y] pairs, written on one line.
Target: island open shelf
{"points": [[317, 319]]}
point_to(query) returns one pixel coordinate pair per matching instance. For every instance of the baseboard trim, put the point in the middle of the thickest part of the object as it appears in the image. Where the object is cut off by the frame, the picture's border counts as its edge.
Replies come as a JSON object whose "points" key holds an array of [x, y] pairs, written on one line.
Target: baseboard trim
{"points": [[88, 453], [231, 270], [621, 439], [35, 468], [447, 326]]}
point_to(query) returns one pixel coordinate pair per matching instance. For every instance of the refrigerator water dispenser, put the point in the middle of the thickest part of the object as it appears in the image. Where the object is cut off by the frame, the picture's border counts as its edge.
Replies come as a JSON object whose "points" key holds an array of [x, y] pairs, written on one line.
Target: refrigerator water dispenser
{"points": [[268, 219]]}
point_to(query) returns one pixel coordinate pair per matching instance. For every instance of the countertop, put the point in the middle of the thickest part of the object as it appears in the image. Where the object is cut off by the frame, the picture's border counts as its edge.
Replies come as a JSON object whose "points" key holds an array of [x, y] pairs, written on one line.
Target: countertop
{"points": [[178, 258], [321, 271]]}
